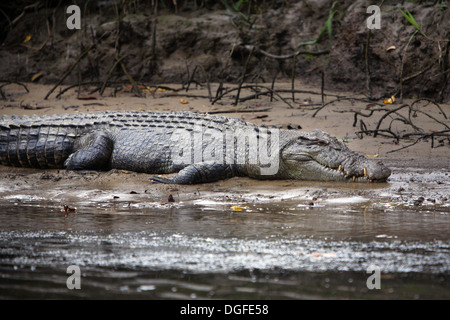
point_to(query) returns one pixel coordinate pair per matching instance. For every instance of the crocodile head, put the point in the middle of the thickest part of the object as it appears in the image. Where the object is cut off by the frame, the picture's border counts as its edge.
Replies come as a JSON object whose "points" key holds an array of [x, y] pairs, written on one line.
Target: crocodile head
{"points": [[319, 156]]}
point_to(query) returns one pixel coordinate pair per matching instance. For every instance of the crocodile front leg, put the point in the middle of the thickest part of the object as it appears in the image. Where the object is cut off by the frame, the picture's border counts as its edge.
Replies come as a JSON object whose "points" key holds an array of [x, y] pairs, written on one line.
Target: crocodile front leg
{"points": [[93, 152], [199, 173]]}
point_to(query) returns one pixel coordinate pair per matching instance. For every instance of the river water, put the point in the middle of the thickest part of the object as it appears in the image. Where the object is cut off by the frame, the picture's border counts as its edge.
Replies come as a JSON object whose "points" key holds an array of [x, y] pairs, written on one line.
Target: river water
{"points": [[277, 245]]}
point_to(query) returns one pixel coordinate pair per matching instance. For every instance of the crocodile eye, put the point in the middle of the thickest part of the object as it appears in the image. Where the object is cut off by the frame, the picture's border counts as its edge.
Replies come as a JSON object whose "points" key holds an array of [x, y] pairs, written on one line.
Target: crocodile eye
{"points": [[321, 142], [316, 142]]}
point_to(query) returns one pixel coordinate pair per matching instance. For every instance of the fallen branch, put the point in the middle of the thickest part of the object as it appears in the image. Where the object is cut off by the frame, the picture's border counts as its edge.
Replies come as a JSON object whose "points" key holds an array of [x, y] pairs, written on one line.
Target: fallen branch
{"points": [[423, 136], [412, 111], [11, 82], [90, 83], [250, 86], [340, 99]]}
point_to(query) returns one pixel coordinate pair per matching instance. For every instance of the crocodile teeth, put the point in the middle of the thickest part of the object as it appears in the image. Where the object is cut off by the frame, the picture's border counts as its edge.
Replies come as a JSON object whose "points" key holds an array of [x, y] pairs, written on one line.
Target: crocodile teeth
{"points": [[365, 172], [340, 168], [354, 178]]}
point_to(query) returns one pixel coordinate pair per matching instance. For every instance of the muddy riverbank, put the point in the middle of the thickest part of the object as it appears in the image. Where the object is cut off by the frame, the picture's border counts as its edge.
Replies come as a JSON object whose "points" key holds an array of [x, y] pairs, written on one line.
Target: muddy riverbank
{"points": [[233, 239], [420, 167]]}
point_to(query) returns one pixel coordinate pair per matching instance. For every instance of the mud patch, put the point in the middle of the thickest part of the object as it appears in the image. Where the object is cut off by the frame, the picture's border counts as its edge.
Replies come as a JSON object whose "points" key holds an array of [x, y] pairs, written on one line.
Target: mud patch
{"points": [[131, 191]]}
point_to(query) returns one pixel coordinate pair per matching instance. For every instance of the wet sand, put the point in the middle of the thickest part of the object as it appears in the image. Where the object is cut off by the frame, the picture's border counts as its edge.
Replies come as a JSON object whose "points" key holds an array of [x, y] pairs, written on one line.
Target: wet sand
{"points": [[412, 167]]}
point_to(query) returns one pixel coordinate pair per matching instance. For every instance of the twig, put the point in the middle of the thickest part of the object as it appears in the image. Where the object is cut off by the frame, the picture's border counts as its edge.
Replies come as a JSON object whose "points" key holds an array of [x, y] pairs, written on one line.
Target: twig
{"points": [[336, 100], [431, 117], [31, 6], [110, 72], [136, 89], [385, 115], [355, 119], [207, 82], [380, 132], [90, 83], [289, 56], [219, 91], [11, 82], [7, 18], [273, 84], [410, 145], [191, 78], [80, 57], [418, 73], [251, 86], [35, 48], [243, 76], [408, 121]]}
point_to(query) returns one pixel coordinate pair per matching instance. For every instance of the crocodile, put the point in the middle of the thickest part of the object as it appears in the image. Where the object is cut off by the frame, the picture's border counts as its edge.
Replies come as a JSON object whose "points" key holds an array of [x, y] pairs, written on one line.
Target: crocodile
{"points": [[194, 147]]}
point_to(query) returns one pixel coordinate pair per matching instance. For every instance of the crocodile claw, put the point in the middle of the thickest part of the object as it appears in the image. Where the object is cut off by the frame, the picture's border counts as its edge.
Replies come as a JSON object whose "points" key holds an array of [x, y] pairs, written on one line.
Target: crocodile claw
{"points": [[157, 179]]}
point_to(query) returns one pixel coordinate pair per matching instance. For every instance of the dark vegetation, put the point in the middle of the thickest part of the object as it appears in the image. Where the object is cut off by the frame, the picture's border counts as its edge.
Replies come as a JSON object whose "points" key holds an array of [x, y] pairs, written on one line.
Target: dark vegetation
{"points": [[164, 41]]}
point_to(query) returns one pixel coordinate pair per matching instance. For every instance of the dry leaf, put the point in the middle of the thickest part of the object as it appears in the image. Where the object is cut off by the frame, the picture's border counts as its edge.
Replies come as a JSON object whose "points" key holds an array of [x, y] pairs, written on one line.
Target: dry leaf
{"points": [[36, 76], [27, 38], [390, 100], [183, 101], [148, 89], [237, 208], [391, 48]]}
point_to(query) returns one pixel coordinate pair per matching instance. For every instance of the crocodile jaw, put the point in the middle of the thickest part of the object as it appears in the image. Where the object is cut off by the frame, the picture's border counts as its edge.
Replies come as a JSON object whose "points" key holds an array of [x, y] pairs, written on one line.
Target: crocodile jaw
{"points": [[319, 156], [313, 170]]}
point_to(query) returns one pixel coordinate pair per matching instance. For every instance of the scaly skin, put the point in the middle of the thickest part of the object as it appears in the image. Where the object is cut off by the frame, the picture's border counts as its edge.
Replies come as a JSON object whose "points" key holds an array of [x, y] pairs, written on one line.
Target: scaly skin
{"points": [[198, 147]]}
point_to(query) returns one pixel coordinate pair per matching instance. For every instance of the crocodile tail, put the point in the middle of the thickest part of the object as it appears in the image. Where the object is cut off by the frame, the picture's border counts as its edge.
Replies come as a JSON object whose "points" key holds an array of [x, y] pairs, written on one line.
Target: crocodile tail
{"points": [[34, 145]]}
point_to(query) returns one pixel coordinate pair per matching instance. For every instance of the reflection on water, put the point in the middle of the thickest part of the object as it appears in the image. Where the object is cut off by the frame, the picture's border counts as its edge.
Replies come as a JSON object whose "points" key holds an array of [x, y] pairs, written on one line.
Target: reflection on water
{"points": [[205, 250]]}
